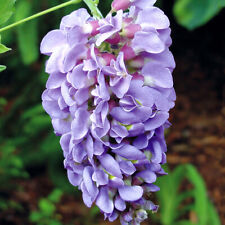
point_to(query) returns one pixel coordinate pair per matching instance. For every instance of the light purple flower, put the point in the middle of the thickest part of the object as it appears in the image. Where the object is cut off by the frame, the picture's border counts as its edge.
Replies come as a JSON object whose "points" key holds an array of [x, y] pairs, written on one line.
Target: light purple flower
{"points": [[108, 94]]}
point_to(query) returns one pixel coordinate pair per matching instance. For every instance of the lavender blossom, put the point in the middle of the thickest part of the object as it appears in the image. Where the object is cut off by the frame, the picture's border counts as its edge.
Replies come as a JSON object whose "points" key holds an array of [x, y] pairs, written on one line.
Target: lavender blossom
{"points": [[109, 92]]}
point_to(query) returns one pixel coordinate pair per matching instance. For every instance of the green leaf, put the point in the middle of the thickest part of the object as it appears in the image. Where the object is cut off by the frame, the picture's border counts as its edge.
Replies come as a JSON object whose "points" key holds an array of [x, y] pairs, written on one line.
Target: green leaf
{"points": [[47, 208], [55, 196], [2, 68], [6, 10], [194, 13], [213, 217], [200, 194], [4, 49], [27, 33]]}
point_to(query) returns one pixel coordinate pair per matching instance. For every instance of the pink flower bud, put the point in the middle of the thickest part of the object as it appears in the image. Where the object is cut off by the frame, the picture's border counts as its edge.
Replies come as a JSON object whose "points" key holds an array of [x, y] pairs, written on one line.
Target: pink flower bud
{"points": [[115, 39], [120, 4], [131, 29], [108, 57], [128, 52], [95, 26]]}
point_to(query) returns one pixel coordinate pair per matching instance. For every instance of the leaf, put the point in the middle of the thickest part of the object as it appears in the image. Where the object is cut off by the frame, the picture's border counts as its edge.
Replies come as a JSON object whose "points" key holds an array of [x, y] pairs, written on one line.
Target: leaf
{"points": [[200, 194], [55, 196], [46, 207], [4, 49], [2, 68], [27, 33], [213, 217], [6, 10], [192, 14]]}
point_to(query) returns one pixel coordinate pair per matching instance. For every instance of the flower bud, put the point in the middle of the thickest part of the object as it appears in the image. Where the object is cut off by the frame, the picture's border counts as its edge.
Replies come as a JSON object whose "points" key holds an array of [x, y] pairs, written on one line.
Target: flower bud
{"points": [[120, 4], [128, 52], [130, 30]]}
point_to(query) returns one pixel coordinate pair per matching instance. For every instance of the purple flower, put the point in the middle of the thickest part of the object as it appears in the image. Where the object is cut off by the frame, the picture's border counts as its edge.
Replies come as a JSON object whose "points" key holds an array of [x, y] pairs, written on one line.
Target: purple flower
{"points": [[109, 92]]}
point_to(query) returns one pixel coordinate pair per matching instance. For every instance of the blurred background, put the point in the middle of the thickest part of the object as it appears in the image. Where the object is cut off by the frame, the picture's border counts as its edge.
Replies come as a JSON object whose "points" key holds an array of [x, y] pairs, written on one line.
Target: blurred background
{"points": [[33, 184]]}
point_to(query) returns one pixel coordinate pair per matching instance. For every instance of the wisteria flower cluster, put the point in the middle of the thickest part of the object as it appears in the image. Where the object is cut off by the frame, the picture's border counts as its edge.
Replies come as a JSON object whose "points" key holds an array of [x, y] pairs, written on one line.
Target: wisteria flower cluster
{"points": [[109, 92]]}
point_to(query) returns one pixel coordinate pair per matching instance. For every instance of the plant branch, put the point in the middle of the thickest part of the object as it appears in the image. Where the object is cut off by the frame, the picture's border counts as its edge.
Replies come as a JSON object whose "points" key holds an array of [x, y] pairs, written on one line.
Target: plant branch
{"points": [[93, 6], [41, 14]]}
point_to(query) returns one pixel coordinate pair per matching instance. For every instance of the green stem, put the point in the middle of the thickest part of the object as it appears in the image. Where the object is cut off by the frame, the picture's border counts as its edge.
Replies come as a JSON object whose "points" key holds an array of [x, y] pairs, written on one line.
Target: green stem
{"points": [[41, 14], [93, 6]]}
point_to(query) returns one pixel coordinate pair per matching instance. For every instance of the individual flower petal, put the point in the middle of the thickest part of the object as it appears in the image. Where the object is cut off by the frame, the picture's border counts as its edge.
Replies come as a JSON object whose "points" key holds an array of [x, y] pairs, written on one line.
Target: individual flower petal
{"points": [[130, 193], [103, 201], [80, 124], [110, 165], [52, 40], [129, 152]]}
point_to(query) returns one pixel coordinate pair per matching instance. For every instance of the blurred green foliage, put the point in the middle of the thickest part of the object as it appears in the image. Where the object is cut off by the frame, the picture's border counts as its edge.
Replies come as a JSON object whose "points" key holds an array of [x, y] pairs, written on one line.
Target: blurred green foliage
{"points": [[46, 213], [183, 194], [195, 13]]}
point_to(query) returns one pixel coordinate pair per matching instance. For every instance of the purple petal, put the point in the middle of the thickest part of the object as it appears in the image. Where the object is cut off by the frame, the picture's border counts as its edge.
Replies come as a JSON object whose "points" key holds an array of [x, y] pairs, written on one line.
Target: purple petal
{"points": [[73, 56], [55, 80], [78, 153], [152, 43], [130, 193], [74, 178], [147, 175], [80, 124], [100, 177], [90, 186], [103, 201], [158, 19], [155, 122], [78, 77], [159, 75], [52, 40], [120, 204], [86, 197], [129, 152], [141, 141], [110, 165], [127, 167], [81, 96]]}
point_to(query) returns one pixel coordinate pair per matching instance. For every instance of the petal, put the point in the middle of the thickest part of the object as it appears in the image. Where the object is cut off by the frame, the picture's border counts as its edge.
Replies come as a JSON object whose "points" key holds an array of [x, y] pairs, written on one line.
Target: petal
{"points": [[80, 124], [121, 88], [129, 152], [86, 197], [160, 76], [127, 167], [157, 121], [52, 40], [78, 77], [147, 175], [110, 165], [152, 43], [73, 56], [81, 96], [55, 80], [103, 201], [130, 193], [74, 178], [89, 184], [100, 177], [78, 153], [141, 141], [158, 19], [119, 204]]}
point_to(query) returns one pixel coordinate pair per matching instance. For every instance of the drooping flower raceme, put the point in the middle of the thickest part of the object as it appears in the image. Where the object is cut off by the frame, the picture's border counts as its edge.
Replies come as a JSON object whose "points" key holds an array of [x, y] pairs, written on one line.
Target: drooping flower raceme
{"points": [[109, 93]]}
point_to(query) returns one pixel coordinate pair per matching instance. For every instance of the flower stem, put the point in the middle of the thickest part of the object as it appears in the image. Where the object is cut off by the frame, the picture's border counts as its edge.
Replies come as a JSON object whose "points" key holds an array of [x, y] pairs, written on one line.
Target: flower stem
{"points": [[41, 14], [93, 6]]}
